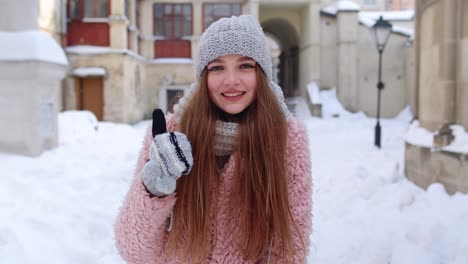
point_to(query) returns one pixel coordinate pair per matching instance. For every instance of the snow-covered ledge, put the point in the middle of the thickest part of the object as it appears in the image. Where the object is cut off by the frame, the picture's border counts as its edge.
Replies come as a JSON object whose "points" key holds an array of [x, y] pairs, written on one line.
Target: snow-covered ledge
{"points": [[89, 71], [32, 65], [428, 161]]}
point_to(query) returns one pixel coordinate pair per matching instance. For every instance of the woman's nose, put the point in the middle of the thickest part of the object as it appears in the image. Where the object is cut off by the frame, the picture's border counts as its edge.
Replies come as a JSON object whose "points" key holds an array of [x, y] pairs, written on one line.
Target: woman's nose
{"points": [[231, 77]]}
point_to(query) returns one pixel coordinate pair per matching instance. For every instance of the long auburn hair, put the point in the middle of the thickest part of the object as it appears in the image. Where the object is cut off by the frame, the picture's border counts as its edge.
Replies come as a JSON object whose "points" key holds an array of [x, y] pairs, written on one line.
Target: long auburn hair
{"points": [[260, 173]]}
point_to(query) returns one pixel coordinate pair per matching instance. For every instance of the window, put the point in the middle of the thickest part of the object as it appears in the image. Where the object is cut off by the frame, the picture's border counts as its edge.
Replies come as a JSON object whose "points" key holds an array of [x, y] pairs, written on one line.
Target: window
{"points": [[213, 12], [173, 21], [74, 9], [96, 8], [127, 9], [137, 14], [369, 2], [78, 9], [87, 22]]}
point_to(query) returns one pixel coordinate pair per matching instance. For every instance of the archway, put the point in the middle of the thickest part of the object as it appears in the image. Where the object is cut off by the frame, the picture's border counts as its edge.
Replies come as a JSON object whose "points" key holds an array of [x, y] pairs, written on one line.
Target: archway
{"points": [[288, 71]]}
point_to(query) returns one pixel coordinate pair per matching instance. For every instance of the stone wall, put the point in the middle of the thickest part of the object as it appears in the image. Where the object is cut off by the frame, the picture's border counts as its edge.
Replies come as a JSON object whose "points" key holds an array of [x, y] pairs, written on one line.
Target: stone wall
{"points": [[425, 166], [440, 94]]}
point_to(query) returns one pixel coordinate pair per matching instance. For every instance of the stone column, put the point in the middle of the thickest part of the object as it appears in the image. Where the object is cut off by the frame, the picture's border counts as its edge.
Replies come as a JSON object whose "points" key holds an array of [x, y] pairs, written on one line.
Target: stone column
{"points": [[197, 26], [146, 30], [19, 15], [29, 80], [118, 24], [462, 64], [448, 59], [347, 68], [309, 57], [252, 7]]}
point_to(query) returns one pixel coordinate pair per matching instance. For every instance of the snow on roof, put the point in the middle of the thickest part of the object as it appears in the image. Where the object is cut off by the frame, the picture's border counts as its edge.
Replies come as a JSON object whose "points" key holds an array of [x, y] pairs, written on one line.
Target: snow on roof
{"points": [[340, 6], [402, 30], [89, 71], [30, 45], [92, 50], [346, 5], [331, 10], [389, 15], [172, 61], [369, 21]]}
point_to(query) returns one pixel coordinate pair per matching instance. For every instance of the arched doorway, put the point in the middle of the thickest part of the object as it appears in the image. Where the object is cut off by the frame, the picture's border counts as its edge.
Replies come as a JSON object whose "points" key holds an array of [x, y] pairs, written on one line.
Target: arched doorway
{"points": [[288, 71]]}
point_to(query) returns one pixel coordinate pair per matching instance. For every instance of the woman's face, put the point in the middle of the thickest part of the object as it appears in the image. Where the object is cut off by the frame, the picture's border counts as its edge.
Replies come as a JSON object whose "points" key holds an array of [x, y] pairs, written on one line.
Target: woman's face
{"points": [[232, 82]]}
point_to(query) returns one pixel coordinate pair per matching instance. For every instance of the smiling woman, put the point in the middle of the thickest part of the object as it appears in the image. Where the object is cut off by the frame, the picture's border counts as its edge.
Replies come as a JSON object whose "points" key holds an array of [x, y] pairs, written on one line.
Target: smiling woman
{"points": [[230, 181], [232, 82]]}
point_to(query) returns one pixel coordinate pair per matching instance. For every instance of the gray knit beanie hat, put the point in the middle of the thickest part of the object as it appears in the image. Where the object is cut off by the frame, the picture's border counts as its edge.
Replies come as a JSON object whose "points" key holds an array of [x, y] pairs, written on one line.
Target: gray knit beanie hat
{"points": [[240, 35]]}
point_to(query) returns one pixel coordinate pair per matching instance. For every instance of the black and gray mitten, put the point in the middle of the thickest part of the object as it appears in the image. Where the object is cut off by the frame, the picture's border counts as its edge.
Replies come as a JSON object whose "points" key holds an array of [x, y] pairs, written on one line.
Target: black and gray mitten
{"points": [[170, 157]]}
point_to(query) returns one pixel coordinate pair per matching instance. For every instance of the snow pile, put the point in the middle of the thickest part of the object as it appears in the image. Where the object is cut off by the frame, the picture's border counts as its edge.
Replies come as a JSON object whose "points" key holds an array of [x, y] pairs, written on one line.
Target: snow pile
{"points": [[419, 136], [30, 46], [61, 207]]}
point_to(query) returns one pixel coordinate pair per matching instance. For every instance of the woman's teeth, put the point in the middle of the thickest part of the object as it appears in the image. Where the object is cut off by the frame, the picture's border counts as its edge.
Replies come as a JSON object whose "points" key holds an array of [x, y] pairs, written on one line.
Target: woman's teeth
{"points": [[232, 94]]}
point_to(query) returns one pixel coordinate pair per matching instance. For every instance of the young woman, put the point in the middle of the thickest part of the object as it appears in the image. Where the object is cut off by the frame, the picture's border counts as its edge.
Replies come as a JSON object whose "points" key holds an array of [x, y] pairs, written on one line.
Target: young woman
{"points": [[230, 182]]}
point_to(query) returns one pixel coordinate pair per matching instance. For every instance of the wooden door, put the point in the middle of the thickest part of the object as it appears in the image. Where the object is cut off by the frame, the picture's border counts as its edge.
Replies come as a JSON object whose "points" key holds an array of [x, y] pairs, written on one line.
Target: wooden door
{"points": [[90, 96]]}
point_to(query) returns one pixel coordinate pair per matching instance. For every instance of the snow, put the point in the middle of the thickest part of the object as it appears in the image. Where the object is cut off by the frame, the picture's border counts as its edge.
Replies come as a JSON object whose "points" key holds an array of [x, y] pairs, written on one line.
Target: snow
{"points": [[313, 92], [389, 15], [340, 6], [369, 18], [30, 46], [89, 71], [345, 5], [419, 136], [61, 206], [331, 10], [93, 50], [172, 61]]}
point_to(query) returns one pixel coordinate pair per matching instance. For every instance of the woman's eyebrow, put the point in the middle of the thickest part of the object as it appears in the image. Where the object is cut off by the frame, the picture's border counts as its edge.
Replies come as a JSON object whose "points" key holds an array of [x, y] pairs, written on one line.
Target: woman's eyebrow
{"points": [[245, 59], [216, 61]]}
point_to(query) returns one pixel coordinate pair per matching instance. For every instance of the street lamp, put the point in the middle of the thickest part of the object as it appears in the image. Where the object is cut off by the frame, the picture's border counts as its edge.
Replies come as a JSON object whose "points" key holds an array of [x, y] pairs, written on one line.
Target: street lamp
{"points": [[381, 32]]}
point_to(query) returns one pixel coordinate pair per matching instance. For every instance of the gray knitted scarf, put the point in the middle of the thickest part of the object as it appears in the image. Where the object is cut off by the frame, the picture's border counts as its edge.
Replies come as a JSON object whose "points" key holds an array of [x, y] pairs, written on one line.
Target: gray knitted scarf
{"points": [[225, 139]]}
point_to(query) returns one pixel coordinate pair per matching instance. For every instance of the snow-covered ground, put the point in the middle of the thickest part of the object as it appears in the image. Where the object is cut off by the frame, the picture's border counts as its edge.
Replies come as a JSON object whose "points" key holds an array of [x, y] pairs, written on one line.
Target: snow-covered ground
{"points": [[61, 206]]}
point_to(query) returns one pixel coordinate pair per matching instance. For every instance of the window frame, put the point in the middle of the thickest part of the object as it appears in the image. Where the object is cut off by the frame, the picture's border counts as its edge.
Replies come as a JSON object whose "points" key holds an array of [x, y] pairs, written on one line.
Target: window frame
{"points": [[172, 17], [365, 3], [215, 17], [81, 6]]}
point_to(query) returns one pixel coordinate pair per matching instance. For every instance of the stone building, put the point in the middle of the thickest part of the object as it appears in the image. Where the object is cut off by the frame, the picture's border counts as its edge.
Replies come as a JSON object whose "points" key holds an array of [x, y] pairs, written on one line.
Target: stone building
{"points": [[381, 5], [440, 96], [32, 65], [131, 56], [127, 57]]}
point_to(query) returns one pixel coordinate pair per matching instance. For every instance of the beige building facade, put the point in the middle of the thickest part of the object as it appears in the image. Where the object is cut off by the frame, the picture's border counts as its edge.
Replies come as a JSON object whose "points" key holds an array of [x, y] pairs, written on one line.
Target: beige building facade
{"points": [[440, 94], [147, 56], [127, 57]]}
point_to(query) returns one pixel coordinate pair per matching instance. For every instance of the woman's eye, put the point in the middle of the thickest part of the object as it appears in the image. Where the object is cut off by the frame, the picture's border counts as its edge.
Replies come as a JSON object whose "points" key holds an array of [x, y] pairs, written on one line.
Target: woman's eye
{"points": [[247, 66], [215, 68]]}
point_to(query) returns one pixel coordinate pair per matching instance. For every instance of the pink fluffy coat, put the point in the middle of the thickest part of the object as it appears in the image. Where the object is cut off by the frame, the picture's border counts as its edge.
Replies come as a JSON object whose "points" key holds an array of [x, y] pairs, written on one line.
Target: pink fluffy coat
{"points": [[140, 230]]}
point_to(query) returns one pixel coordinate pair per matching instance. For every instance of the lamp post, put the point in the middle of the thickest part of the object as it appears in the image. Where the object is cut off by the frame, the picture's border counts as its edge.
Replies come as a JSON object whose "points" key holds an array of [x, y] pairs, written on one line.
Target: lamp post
{"points": [[381, 32]]}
